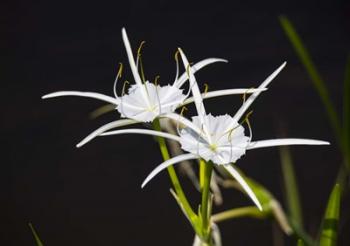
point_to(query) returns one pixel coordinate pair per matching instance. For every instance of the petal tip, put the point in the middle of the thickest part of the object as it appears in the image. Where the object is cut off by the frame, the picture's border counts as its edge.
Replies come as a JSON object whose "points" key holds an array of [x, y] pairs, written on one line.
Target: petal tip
{"points": [[78, 145]]}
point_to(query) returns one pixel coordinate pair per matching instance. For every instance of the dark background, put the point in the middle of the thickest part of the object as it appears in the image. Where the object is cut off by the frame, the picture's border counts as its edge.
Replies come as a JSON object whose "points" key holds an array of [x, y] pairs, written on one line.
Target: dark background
{"points": [[92, 195]]}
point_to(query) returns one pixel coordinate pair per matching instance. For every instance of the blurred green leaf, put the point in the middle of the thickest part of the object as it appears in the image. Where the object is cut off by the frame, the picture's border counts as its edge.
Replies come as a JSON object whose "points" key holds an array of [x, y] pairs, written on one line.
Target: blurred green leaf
{"points": [[346, 109], [102, 110], [300, 242], [330, 223], [291, 187], [300, 233], [36, 237], [315, 76], [249, 211]]}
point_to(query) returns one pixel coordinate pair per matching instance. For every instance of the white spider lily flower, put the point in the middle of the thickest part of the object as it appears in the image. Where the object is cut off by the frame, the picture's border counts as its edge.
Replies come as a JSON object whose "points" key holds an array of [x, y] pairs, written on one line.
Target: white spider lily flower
{"points": [[146, 101], [221, 139]]}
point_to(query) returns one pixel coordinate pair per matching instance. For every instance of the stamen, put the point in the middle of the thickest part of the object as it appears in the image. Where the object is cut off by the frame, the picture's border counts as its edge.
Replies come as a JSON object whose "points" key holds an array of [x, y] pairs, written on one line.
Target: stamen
{"points": [[121, 99], [124, 86], [176, 56], [138, 54], [139, 60], [119, 75], [244, 96], [246, 120], [183, 109], [188, 74]]}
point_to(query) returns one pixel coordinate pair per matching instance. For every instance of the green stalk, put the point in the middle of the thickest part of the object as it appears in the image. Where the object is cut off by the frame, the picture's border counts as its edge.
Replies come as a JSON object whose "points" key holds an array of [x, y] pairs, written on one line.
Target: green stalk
{"points": [[205, 213], [173, 177], [36, 237], [249, 211]]}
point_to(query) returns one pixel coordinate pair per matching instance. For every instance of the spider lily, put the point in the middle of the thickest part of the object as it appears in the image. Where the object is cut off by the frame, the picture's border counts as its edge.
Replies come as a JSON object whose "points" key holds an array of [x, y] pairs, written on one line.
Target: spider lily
{"points": [[221, 139], [147, 101]]}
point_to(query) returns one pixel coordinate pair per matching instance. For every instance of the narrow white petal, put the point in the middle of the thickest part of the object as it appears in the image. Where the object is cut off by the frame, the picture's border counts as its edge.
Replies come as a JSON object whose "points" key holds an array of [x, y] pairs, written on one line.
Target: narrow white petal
{"points": [[285, 141], [94, 95], [131, 58], [166, 164], [252, 98], [133, 66], [196, 95], [244, 185], [107, 127], [196, 67], [194, 86], [143, 132], [225, 92]]}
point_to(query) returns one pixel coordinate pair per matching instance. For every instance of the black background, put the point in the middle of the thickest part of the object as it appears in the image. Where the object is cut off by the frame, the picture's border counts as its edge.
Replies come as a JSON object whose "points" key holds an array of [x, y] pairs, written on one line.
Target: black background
{"points": [[92, 195]]}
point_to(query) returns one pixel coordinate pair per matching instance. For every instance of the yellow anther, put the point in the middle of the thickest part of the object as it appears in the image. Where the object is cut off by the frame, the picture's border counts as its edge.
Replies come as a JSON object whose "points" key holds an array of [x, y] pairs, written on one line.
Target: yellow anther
{"points": [[176, 56], [188, 69], [206, 88], [120, 70], [183, 109], [124, 85], [140, 48], [156, 79]]}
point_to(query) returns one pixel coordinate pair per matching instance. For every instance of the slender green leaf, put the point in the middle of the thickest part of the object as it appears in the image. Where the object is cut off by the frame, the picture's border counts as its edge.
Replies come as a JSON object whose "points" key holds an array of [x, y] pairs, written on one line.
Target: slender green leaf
{"points": [[36, 237], [291, 187], [330, 223], [315, 76], [346, 111]]}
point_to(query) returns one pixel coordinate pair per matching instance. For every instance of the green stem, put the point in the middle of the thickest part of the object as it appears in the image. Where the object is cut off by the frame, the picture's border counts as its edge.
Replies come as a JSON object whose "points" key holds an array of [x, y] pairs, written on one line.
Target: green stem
{"points": [[205, 213], [249, 211], [173, 177]]}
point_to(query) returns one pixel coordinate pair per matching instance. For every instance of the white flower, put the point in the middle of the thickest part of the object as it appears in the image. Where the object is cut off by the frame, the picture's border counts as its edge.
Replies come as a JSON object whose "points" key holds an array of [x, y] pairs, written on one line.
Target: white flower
{"points": [[228, 142], [221, 139], [160, 100], [146, 101]]}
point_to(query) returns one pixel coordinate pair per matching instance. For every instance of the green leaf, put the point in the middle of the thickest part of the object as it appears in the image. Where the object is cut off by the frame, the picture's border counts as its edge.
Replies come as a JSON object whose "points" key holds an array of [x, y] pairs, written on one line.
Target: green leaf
{"points": [[330, 223], [300, 242], [346, 111], [315, 76], [36, 237], [291, 187]]}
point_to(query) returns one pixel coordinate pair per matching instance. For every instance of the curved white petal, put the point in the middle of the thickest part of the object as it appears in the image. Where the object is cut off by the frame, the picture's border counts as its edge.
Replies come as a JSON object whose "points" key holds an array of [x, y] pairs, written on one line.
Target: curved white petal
{"points": [[196, 95], [166, 164], [225, 92], [285, 141], [244, 185], [131, 58], [94, 95], [196, 67], [107, 127], [252, 98], [143, 132], [132, 63]]}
